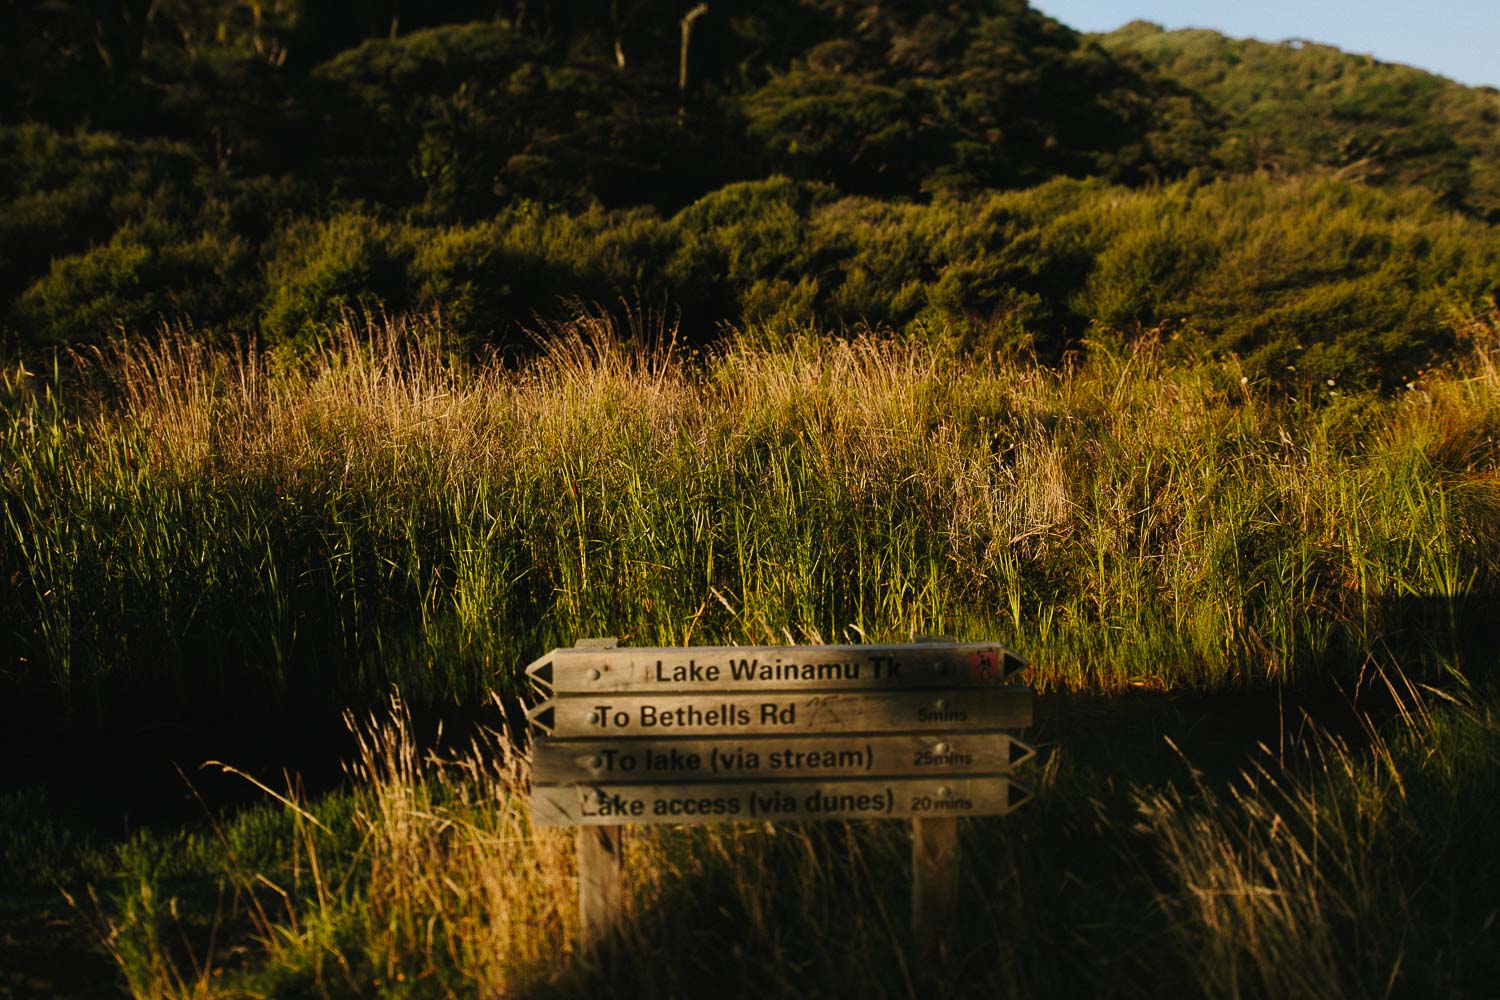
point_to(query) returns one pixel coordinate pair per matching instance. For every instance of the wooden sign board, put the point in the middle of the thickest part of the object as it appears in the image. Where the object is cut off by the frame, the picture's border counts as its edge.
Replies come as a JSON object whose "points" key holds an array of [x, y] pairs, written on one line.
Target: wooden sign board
{"points": [[711, 714], [593, 670], [774, 801], [566, 762], [720, 734]]}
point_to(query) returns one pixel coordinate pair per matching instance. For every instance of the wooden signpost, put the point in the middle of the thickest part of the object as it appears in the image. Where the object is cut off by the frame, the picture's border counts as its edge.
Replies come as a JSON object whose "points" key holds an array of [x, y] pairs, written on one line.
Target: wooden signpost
{"points": [[776, 733]]}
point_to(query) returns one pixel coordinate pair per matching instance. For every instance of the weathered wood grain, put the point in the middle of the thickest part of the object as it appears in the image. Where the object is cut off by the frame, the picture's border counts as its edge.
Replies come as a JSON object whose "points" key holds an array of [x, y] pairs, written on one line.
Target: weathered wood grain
{"points": [[601, 883], [934, 884]]}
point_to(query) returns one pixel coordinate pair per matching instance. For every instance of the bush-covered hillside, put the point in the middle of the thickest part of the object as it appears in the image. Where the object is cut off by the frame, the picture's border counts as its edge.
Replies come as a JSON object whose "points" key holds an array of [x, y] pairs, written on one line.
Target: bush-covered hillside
{"points": [[1296, 106], [970, 171]]}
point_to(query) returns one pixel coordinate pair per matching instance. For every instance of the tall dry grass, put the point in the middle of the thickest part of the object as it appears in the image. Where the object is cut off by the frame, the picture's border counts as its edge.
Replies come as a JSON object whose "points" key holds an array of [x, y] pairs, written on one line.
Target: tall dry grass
{"points": [[432, 882], [1365, 871], [185, 523], [179, 519], [1354, 869], [429, 882]]}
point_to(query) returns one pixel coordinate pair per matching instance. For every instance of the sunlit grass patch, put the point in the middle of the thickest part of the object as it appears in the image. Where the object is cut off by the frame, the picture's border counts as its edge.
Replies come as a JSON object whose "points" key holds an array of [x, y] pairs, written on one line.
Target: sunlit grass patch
{"points": [[182, 519]]}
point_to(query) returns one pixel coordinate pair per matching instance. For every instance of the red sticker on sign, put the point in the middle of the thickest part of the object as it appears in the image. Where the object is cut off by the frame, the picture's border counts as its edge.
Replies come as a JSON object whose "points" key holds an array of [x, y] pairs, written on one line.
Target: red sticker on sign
{"points": [[984, 665]]}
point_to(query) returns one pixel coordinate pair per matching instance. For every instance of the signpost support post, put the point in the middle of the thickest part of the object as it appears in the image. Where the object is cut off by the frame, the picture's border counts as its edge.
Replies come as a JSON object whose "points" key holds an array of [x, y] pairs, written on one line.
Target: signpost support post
{"points": [[601, 866], [934, 886], [601, 884], [934, 880]]}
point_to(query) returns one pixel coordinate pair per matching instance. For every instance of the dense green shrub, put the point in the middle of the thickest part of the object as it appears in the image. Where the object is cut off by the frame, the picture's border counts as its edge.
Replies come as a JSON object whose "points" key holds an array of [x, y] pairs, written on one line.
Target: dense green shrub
{"points": [[140, 280], [1302, 278], [1322, 280], [1305, 279], [320, 271], [431, 102], [824, 124], [495, 279], [99, 232], [62, 193], [750, 247], [984, 95], [466, 119]]}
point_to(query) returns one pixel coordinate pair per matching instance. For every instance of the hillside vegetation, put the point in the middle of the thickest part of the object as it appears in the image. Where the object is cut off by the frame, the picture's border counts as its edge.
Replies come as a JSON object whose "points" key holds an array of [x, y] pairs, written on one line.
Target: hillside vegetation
{"points": [[1298, 106], [974, 172]]}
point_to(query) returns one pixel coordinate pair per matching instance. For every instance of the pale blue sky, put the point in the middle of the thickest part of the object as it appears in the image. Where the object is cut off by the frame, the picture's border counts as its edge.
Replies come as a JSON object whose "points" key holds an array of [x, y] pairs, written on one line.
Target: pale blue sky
{"points": [[1459, 39]]}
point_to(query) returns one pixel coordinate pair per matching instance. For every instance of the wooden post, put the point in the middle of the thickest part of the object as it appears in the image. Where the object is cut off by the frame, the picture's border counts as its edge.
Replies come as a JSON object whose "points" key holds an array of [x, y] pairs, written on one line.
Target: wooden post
{"points": [[601, 865], [934, 884], [934, 878], [601, 884]]}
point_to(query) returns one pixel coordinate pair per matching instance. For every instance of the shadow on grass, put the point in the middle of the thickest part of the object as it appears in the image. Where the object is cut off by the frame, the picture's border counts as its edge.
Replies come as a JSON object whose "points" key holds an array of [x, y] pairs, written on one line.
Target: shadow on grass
{"points": [[1059, 899], [1065, 897]]}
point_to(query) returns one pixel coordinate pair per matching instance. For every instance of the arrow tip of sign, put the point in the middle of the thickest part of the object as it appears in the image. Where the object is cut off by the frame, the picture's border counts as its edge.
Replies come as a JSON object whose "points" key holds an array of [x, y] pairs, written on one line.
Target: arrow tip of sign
{"points": [[1020, 752], [1018, 795], [543, 716], [541, 670], [1014, 664]]}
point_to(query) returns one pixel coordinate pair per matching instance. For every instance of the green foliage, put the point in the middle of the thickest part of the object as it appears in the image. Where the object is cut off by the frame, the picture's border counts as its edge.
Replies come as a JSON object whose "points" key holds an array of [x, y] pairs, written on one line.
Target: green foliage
{"points": [[1296, 106], [321, 271], [1306, 280], [129, 234], [452, 102], [502, 170], [384, 516], [460, 108], [1332, 279], [62, 193], [824, 124], [495, 279], [468, 118], [138, 281], [976, 96], [735, 243]]}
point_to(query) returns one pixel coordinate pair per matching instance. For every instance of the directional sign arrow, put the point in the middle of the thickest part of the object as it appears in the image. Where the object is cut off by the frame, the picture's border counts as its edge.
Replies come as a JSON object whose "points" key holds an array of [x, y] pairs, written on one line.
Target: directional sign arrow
{"points": [[1020, 752], [874, 798], [644, 670], [734, 757], [540, 670], [803, 713], [1018, 794], [543, 715]]}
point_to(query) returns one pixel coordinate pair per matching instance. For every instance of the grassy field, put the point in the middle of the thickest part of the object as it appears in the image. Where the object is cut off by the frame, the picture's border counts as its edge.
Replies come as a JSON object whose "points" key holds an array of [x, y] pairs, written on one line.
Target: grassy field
{"points": [[1329, 868], [180, 520], [190, 534]]}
